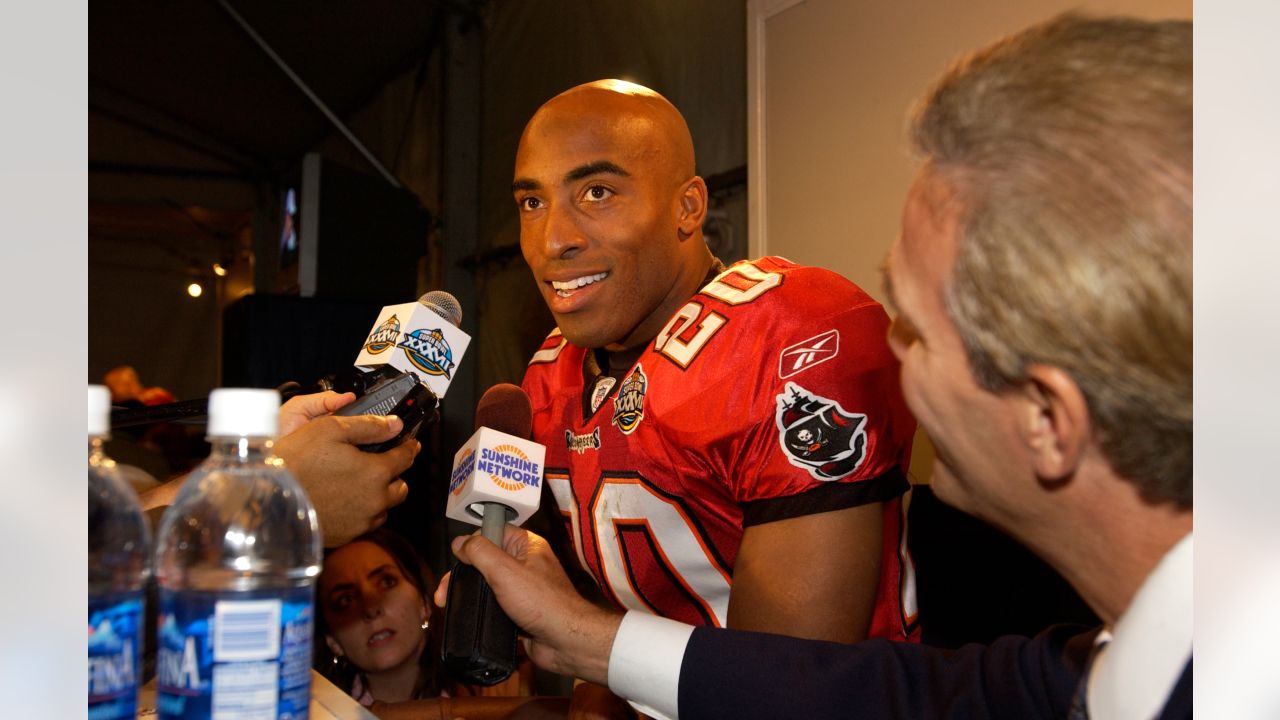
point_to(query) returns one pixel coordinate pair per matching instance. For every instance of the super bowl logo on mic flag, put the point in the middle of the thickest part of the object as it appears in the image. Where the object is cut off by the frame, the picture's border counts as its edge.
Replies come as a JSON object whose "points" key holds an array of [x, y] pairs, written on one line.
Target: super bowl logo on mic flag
{"points": [[429, 351], [383, 336], [496, 467], [432, 346]]}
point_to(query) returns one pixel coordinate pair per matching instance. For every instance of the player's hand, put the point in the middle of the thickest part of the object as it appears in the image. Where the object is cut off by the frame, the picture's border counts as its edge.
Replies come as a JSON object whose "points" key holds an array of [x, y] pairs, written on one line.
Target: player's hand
{"points": [[566, 633], [352, 490]]}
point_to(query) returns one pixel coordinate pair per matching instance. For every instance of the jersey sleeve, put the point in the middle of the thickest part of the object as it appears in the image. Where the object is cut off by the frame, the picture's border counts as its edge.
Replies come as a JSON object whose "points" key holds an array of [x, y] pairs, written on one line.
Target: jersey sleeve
{"points": [[827, 427]]}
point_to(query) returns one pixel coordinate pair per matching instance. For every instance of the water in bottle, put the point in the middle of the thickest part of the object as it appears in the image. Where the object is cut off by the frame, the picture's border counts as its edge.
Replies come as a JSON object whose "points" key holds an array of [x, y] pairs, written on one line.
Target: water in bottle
{"points": [[237, 555], [119, 563]]}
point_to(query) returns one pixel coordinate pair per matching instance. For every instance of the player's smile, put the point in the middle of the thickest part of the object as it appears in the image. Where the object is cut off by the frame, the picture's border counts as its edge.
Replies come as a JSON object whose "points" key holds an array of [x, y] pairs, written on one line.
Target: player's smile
{"points": [[576, 291], [566, 289]]}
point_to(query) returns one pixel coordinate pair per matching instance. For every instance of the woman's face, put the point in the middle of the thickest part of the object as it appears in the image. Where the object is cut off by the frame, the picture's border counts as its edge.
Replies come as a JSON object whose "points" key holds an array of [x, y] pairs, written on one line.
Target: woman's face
{"points": [[373, 612]]}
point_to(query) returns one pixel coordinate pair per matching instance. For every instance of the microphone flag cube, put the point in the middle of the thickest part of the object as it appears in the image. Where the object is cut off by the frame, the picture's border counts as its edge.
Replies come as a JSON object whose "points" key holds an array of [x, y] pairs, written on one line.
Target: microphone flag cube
{"points": [[413, 338], [494, 467]]}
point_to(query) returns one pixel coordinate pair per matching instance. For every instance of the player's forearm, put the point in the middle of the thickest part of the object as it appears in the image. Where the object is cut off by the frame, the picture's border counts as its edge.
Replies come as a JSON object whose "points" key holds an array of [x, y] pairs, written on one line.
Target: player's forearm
{"points": [[835, 627], [817, 619], [814, 576]]}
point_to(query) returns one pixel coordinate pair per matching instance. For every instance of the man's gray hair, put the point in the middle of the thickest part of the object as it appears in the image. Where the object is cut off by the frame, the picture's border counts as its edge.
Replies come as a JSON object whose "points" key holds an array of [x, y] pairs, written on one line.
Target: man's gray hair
{"points": [[1068, 148]]}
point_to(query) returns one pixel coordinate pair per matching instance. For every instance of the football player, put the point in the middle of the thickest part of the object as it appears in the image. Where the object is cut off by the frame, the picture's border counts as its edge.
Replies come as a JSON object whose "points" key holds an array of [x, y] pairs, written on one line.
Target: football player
{"points": [[705, 423]]}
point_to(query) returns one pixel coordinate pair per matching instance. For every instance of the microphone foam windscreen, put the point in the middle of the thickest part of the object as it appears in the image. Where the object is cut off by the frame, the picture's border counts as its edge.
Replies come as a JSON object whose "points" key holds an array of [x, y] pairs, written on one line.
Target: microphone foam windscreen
{"points": [[505, 407], [444, 305]]}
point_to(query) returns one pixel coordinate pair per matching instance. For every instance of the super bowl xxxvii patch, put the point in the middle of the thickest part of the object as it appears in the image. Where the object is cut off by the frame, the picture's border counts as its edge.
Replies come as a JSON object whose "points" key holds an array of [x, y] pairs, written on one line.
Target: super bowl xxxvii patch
{"points": [[628, 405], [818, 435]]}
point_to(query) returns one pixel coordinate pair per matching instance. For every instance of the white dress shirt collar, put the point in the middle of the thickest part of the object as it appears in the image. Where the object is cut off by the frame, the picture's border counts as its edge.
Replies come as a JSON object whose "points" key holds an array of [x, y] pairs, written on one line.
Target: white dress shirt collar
{"points": [[1150, 644]]}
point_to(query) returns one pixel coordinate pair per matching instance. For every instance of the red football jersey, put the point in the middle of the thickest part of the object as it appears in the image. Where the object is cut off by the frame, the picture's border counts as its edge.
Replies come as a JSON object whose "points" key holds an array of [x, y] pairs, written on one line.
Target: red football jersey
{"points": [[771, 394]]}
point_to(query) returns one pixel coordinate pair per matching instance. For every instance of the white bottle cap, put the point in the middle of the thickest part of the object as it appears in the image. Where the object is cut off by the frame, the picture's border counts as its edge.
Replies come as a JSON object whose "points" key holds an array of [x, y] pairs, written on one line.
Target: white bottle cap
{"points": [[243, 412], [99, 411]]}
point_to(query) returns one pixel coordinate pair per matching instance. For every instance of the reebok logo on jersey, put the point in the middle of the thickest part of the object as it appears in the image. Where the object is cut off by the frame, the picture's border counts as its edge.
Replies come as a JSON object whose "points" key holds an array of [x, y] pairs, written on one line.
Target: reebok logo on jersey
{"points": [[807, 353], [818, 435], [628, 406]]}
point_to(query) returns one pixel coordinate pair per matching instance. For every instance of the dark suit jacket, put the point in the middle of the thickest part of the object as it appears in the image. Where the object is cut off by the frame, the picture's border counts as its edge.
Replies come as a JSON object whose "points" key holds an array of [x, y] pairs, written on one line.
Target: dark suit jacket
{"points": [[1178, 705], [733, 674]]}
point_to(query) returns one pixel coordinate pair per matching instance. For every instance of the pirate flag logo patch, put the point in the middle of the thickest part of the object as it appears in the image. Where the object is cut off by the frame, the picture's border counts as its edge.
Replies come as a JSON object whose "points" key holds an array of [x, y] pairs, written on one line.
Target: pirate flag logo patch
{"points": [[818, 435]]}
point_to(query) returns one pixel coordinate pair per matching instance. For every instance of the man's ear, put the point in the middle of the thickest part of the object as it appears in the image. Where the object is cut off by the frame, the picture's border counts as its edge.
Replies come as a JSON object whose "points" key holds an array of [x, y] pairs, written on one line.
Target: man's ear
{"points": [[1055, 422], [693, 206], [334, 647]]}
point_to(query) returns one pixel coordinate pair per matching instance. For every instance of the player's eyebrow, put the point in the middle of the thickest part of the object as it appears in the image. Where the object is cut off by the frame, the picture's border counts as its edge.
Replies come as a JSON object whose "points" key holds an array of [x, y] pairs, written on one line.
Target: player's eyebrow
{"points": [[582, 171], [525, 184], [595, 168]]}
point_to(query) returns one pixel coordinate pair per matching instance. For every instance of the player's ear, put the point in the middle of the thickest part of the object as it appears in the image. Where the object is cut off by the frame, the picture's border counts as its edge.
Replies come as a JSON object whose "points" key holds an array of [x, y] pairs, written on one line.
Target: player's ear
{"points": [[1054, 421], [693, 206]]}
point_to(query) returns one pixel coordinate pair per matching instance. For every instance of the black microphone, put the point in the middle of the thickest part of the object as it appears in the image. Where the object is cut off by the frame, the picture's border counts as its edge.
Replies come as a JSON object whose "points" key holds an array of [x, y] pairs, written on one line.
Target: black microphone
{"points": [[406, 340], [479, 643]]}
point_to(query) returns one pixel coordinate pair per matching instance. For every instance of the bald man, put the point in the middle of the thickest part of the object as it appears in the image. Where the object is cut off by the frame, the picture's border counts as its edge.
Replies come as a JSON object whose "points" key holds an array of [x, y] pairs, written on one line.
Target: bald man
{"points": [[706, 427]]}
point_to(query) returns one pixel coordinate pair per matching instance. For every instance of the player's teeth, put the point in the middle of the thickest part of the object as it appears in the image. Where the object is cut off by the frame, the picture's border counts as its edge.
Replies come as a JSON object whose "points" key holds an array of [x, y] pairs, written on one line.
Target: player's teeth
{"points": [[564, 288]]}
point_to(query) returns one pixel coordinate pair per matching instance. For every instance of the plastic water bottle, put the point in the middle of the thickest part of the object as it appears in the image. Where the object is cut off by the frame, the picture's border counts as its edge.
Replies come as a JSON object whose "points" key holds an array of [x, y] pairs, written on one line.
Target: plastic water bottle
{"points": [[237, 555], [119, 565]]}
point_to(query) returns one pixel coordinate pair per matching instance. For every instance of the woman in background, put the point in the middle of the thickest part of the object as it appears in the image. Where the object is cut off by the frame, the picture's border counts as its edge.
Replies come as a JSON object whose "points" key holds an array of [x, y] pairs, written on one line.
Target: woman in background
{"points": [[378, 638], [380, 632]]}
